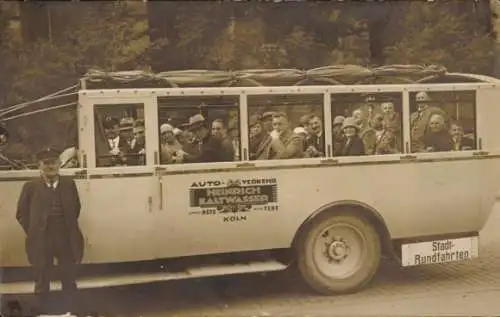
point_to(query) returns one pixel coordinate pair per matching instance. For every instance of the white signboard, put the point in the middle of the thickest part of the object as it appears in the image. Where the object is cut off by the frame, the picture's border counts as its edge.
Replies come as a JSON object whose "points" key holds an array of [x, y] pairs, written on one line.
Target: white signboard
{"points": [[440, 251]]}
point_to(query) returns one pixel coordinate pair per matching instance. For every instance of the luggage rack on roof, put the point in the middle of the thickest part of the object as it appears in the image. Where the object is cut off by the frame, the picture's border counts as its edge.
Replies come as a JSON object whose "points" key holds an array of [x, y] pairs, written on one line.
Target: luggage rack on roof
{"points": [[328, 75]]}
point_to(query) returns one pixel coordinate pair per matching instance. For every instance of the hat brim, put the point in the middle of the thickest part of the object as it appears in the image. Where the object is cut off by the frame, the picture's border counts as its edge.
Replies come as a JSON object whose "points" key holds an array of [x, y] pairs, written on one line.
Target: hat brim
{"points": [[196, 125], [350, 126]]}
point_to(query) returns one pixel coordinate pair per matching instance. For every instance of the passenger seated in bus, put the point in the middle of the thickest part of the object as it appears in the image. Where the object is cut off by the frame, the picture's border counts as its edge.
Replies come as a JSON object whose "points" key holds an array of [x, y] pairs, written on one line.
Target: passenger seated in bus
{"points": [[259, 139], [365, 131], [371, 135], [377, 124], [234, 136], [130, 149], [302, 133], [360, 119], [219, 131], [460, 141], [189, 143], [267, 121], [419, 120], [139, 143], [338, 135], [178, 134], [137, 151], [437, 137], [284, 144], [315, 145], [353, 145], [392, 121], [115, 143], [210, 149], [371, 104], [304, 123], [387, 144], [170, 148]]}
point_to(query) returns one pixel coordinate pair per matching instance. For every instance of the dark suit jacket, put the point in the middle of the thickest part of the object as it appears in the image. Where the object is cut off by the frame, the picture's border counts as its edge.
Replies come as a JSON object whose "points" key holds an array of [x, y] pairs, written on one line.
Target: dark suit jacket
{"points": [[33, 207], [317, 142], [211, 150], [355, 148]]}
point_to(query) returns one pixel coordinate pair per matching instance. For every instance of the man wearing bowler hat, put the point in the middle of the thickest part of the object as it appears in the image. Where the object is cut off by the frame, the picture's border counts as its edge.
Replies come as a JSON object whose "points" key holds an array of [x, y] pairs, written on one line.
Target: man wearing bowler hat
{"points": [[211, 149], [48, 211]]}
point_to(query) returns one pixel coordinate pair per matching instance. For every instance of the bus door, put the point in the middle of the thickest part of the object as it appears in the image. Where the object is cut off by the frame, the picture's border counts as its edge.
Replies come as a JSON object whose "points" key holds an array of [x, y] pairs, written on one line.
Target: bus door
{"points": [[119, 223], [184, 227]]}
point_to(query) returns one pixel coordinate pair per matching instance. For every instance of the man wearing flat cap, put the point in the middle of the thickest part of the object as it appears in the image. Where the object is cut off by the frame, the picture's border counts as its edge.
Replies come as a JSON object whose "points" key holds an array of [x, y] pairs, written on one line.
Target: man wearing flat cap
{"points": [[48, 210], [267, 121]]}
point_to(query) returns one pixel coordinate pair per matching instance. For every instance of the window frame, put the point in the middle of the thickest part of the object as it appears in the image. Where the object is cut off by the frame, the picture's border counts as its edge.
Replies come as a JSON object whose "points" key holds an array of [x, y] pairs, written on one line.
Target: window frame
{"points": [[157, 161], [89, 154], [324, 120], [476, 139], [152, 134], [403, 122]]}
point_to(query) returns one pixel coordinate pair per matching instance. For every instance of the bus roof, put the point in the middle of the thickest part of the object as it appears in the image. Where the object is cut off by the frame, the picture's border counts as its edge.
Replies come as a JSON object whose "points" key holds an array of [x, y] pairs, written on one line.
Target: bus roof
{"points": [[328, 75]]}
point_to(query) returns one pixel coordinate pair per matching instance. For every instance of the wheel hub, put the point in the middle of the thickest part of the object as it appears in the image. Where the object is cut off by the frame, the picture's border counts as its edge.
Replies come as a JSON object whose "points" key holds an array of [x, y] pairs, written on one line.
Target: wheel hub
{"points": [[337, 250]]}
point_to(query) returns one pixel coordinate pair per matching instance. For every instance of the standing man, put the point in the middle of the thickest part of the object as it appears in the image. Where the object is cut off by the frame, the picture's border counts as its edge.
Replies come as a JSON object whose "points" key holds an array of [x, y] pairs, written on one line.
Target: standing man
{"points": [[48, 211]]}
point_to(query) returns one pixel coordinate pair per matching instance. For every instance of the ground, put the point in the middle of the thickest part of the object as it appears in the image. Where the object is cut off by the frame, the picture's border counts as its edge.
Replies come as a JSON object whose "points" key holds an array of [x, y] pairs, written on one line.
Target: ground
{"points": [[468, 288]]}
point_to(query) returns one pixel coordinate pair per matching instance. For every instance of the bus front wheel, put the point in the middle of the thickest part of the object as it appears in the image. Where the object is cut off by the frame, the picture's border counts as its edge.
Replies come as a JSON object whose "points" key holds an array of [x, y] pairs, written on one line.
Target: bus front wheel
{"points": [[338, 253]]}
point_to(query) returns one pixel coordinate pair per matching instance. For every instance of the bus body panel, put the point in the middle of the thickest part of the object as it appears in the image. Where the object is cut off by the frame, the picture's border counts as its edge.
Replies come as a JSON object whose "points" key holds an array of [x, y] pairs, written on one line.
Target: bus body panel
{"points": [[133, 217], [418, 199], [414, 199], [119, 224]]}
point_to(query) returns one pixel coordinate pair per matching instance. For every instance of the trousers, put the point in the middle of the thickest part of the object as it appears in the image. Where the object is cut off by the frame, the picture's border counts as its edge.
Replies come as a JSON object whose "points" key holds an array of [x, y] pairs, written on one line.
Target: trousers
{"points": [[56, 245]]}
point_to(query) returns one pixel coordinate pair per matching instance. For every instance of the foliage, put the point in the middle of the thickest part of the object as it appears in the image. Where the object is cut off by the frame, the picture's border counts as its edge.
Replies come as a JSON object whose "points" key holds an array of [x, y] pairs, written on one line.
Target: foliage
{"points": [[435, 35], [109, 36], [61, 41]]}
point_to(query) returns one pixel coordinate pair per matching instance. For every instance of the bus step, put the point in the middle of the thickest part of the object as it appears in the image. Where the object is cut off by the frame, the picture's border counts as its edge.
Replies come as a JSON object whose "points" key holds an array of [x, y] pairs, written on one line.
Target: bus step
{"points": [[144, 278]]}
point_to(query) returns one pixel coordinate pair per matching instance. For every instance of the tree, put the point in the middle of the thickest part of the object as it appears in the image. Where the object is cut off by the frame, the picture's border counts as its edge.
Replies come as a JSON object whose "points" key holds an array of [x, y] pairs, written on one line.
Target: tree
{"points": [[437, 34], [109, 36]]}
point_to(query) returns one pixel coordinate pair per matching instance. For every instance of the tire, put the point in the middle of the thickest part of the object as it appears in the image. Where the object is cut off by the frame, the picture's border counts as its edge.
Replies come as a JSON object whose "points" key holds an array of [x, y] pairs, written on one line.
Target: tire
{"points": [[338, 253]]}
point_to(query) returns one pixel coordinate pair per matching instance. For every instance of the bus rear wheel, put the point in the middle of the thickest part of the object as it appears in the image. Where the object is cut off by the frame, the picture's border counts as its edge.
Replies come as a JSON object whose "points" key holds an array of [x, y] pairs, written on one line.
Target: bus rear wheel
{"points": [[338, 253]]}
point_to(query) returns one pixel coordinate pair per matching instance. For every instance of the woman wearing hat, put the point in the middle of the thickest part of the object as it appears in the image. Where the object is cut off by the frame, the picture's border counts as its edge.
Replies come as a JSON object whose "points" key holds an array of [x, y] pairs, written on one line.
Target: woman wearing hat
{"points": [[353, 145], [170, 146], [259, 138]]}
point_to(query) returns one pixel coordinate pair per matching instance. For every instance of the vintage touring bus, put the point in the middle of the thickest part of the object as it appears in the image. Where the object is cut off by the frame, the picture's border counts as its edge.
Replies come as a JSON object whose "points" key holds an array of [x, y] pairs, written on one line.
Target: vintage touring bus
{"points": [[325, 175]]}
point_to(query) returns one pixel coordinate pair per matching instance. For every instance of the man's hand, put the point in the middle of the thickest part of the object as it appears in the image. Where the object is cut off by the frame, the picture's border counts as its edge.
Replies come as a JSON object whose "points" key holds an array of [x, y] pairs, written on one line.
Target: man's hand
{"points": [[275, 134]]}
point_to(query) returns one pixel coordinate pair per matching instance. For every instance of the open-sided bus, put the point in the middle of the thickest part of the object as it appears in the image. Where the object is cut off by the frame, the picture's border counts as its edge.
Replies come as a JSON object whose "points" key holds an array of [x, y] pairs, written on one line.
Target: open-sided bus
{"points": [[361, 171]]}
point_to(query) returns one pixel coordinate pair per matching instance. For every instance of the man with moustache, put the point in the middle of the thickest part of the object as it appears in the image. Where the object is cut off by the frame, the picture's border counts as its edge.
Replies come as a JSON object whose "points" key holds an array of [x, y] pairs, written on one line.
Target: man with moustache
{"points": [[315, 146], [48, 210]]}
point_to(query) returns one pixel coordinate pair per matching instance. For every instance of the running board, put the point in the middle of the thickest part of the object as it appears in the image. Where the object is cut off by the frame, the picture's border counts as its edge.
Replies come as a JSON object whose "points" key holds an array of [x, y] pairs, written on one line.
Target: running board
{"points": [[144, 278]]}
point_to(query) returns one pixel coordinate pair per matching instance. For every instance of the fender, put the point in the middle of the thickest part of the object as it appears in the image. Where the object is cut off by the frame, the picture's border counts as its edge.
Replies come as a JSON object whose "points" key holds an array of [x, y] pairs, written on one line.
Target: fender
{"points": [[362, 210]]}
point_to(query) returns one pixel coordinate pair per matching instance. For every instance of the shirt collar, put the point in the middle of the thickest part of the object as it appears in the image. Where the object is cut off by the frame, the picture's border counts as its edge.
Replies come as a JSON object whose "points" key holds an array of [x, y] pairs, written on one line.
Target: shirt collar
{"points": [[53, 184]]}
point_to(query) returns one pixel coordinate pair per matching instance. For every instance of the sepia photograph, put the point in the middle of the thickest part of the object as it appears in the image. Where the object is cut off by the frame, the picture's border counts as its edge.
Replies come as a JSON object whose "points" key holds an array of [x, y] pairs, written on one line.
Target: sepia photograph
{"points": [[249, 158]]}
